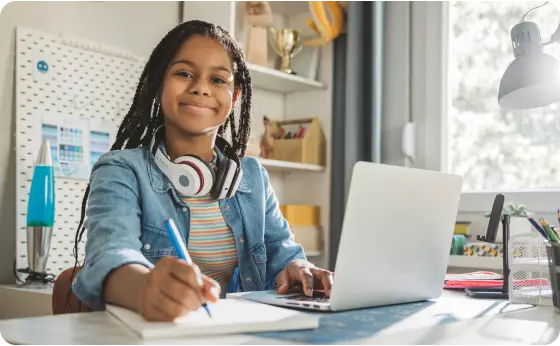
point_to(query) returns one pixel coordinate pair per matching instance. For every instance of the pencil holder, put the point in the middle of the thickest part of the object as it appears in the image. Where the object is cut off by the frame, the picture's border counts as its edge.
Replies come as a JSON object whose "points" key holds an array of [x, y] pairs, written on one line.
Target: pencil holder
{"points": [[307, 147], [553, 254]]}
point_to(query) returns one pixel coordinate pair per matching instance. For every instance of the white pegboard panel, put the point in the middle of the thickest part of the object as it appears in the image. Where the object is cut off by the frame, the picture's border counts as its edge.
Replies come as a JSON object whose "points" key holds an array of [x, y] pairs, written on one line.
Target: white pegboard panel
{"points": [[85, 80]]}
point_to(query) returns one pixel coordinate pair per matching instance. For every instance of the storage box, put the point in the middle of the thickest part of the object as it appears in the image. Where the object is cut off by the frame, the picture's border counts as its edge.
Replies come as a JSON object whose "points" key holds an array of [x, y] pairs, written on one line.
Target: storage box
{"points": [[462, 228], [301, 141], [301, 215], [304, 221]]}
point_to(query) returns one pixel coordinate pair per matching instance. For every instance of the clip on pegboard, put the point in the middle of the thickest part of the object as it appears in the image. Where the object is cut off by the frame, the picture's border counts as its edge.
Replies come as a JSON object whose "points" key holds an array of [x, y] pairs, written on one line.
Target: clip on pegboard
{"points": [[495, 218]]}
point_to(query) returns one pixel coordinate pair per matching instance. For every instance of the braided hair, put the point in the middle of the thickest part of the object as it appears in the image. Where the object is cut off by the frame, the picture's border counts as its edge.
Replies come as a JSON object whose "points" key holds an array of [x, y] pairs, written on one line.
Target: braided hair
{"points": [[145, 116]]}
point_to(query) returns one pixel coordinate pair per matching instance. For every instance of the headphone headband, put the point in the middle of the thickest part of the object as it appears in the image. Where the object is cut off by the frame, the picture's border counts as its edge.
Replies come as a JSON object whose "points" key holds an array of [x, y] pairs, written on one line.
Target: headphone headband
{"points": [[193, 176], [222, 144]]}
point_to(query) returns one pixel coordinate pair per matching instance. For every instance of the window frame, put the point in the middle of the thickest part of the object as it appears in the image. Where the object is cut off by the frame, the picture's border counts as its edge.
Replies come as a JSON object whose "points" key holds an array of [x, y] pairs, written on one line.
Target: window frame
{"points": [[430, 109]]}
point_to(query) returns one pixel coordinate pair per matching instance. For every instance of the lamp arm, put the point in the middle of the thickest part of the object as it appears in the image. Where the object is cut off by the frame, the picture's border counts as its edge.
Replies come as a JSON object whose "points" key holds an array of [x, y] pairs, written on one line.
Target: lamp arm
{"points": [[531, 10], [555, 38]]}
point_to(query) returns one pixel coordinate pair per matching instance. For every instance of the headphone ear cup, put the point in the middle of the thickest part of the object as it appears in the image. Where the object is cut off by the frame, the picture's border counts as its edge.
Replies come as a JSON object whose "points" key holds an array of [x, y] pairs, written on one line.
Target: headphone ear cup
{"points": [[205, 173], [209, 177], [235, 182]]}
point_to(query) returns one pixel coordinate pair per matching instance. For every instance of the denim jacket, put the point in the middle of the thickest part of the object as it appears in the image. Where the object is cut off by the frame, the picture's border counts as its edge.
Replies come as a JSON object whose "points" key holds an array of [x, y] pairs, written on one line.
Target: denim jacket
{"points": [[129, 201]]}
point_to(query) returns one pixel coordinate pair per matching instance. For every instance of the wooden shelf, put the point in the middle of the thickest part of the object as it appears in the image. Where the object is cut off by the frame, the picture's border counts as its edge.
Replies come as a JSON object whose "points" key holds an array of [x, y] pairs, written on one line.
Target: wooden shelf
{"points": [[283, 8], [277, 81], [476, 262], [290, 8], [313, 253], [286, 166]]}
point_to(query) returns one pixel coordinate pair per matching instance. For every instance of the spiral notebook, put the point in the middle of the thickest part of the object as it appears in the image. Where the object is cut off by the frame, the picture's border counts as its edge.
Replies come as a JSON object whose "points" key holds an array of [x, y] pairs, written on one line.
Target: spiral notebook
{"points": [[229, 316]]}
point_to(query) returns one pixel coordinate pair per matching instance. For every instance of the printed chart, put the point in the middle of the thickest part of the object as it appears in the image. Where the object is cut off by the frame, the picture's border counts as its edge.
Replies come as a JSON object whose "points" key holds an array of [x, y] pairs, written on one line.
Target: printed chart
{"points": [[100, 140], [76, 144]]}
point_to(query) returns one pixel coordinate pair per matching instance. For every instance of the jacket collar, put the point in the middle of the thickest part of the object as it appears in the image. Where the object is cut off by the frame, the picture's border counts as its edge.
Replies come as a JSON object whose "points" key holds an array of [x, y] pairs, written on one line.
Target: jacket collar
{"points": [[160, 182]]}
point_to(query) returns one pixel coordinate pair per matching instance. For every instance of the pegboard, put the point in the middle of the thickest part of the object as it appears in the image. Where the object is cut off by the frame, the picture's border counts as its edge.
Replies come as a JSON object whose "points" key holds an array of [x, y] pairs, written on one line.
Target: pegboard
{"points": [[84, 80]]}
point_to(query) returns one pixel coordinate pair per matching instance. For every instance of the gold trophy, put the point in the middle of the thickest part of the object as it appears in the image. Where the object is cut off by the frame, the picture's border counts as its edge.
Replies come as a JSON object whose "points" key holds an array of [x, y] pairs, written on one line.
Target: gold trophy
{"points": [[286, 43]]}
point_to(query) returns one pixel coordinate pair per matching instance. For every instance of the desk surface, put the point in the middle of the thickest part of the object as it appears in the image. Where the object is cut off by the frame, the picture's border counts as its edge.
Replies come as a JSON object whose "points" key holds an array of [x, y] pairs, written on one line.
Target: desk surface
{"points": [[538, 325]]}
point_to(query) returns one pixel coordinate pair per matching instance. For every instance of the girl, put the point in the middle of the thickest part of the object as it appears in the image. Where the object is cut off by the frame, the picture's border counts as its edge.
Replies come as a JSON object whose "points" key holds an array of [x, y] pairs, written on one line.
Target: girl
{"points": [[176, 165]]}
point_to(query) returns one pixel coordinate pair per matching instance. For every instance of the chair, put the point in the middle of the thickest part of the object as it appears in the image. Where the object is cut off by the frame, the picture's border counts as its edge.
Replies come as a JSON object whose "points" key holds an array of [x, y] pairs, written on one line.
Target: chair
{"points": [[62, 286]]}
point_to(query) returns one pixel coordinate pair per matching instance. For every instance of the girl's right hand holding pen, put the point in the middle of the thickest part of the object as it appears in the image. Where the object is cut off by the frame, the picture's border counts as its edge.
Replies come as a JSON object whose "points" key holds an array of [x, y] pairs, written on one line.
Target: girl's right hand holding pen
{"points": [[173, 288]]}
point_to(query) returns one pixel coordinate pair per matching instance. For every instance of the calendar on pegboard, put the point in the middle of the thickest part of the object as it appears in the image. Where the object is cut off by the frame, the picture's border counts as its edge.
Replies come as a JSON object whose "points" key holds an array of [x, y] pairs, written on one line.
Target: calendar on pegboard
{"points": [[75, 93]]}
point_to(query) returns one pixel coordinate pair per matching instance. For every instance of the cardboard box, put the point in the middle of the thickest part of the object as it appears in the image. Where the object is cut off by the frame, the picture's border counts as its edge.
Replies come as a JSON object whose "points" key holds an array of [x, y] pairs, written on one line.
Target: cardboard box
{"points": [[462, 228], [301, 215]]}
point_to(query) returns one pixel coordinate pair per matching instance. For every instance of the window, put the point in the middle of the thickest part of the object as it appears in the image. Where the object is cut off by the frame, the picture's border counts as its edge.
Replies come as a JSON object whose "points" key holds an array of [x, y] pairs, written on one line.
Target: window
{"points": [[491, 148]]}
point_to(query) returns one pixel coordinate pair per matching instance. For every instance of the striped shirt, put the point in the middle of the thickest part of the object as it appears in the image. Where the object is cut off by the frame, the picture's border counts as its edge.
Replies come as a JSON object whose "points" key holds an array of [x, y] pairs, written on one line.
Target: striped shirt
{"points": [[211, 243]]}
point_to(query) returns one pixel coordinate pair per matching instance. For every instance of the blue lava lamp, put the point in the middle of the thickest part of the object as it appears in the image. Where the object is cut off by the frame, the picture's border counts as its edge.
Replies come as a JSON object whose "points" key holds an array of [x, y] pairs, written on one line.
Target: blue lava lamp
{"points": [[40, 213]]}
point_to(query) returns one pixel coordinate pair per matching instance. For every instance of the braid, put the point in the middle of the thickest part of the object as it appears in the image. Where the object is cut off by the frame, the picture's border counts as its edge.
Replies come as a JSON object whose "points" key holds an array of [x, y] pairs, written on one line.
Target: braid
{"points": [[145, 115]]}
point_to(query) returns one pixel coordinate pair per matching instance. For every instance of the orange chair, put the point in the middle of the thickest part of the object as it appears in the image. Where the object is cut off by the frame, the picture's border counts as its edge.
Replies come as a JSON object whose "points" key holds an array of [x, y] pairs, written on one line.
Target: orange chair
{"points": [[64, 301]]}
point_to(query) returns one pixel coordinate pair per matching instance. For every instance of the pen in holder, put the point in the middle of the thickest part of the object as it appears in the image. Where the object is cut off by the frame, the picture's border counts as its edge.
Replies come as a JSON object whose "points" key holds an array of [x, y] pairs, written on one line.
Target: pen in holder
{"points": [[553, 254]]}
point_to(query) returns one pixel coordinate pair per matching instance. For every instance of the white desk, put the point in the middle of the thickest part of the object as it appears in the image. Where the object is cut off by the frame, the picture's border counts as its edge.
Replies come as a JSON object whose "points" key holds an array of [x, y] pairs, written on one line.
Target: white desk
{"points": [[18, 302], [540, 325]]}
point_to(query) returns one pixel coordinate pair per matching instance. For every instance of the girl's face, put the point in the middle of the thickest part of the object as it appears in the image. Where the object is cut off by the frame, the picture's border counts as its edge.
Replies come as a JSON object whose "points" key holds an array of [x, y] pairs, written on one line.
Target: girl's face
{"points": [[198, 88]]}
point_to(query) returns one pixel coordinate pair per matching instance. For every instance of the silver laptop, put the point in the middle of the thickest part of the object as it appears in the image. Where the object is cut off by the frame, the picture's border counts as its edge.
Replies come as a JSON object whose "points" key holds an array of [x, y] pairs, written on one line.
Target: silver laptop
{"points": [[395, 241]]}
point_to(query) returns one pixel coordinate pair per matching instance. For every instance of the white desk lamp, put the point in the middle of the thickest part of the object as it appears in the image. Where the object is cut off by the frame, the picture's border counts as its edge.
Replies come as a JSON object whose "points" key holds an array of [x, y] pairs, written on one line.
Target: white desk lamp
{"points": [[533, 79]]}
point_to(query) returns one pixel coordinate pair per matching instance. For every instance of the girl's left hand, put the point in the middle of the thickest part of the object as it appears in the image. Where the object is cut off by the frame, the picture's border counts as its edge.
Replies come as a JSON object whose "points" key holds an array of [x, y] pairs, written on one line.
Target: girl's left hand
{"points": [[310, 277]]}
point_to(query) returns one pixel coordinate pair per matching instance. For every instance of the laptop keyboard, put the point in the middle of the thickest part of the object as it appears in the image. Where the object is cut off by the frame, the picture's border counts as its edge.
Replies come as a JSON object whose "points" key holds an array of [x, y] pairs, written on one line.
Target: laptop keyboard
{"points": [[319, 297]]}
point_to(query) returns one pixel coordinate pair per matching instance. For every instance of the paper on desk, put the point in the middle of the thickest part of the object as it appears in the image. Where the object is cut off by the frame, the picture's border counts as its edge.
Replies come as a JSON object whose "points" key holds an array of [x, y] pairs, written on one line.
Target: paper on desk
{"points": [[228, 316], [480, 275], [445, 310]]}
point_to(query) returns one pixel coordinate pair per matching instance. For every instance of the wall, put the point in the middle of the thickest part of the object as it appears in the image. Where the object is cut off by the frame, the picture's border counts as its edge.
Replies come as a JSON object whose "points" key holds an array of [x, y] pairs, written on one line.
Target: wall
{"points": [[396, 81], [314, 103], [135, 26], [474, 205], [264, 103], [274, 107]]}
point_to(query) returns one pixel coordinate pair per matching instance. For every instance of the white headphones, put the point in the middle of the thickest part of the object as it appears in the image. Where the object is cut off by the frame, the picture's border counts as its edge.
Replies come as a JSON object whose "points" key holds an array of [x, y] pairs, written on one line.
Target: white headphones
{"points": [[193, 176]]}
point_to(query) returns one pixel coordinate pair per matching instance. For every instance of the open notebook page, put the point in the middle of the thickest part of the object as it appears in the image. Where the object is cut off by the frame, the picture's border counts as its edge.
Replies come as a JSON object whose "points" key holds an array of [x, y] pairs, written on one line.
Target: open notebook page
{"points": [[229, 316]]}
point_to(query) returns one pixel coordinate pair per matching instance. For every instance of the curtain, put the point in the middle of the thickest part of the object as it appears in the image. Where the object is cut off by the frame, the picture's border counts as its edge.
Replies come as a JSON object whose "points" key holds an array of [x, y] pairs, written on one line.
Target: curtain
{"points": [[357, 95]]}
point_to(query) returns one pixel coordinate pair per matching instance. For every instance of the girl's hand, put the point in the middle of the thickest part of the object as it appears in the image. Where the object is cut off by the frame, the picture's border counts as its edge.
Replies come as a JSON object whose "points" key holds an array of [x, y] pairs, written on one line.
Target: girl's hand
{"points": [[173, 288], [302, 272]]}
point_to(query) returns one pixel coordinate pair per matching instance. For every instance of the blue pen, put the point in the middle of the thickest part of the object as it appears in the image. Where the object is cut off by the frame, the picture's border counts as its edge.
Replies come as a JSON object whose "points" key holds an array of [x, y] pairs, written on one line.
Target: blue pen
{"points": [[180, 247]]}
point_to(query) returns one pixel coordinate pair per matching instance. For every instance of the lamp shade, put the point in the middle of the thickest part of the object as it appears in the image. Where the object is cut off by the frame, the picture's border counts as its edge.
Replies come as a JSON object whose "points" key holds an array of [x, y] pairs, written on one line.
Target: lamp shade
{"points": [[530, 81], [533, 79]]}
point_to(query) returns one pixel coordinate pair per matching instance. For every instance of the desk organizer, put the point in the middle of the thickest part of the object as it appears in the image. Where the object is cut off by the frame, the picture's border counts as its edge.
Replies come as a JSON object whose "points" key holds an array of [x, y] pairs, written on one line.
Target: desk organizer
{"points": [[307, 147], [553, 255], [529, 278]]}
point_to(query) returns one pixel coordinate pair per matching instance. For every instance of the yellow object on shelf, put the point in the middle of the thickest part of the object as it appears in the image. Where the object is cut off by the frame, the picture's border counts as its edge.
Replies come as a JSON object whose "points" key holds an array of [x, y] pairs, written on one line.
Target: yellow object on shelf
{"points": [[326, 26], [462, 228], [301, 215]]}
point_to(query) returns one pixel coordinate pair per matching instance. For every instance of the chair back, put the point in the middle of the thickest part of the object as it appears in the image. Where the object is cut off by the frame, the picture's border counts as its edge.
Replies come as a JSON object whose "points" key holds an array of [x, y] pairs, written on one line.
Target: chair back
{"points": [[64, 301]]}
